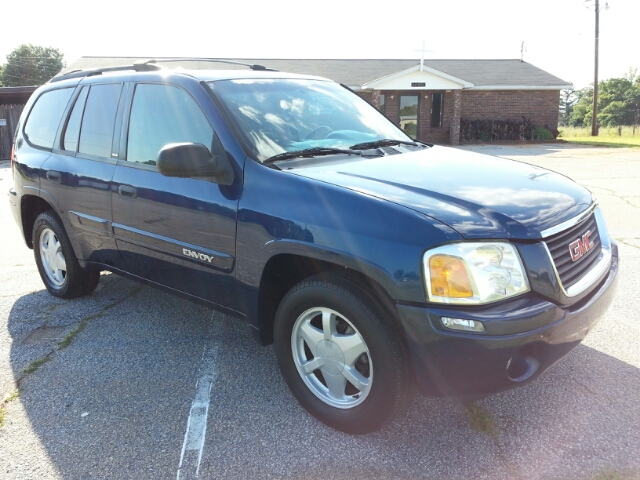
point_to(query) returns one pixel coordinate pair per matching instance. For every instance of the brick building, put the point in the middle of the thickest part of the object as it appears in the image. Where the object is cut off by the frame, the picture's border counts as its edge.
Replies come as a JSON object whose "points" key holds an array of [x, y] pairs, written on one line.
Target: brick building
{"points": [[427, 99]]}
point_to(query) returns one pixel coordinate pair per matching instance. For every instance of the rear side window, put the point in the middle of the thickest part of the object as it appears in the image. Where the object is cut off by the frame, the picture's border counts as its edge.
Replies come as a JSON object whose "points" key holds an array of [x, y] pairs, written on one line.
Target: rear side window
{"points": [[162, 114], [45, 116], [72, 132], [96, 132]]}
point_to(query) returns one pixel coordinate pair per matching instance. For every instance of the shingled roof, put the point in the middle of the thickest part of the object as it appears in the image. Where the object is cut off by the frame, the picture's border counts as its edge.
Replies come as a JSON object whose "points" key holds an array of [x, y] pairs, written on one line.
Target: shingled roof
{"points": [[357, 73]]}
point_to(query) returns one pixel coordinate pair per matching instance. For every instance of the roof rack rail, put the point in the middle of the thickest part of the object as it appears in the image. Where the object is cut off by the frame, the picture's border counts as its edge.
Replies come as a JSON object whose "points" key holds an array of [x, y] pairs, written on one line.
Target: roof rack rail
{"points": [[201, 59], [138, 67]]}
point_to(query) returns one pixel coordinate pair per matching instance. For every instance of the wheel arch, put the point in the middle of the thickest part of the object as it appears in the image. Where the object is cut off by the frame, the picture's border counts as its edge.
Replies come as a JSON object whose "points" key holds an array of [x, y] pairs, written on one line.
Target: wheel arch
{"points": [[283, 271], [30, 207]]}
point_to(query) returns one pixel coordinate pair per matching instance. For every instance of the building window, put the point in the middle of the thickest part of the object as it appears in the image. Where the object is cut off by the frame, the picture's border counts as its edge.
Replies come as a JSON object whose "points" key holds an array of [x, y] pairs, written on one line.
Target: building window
{"points": [[409, 114], [382, 107], [437, 103]]}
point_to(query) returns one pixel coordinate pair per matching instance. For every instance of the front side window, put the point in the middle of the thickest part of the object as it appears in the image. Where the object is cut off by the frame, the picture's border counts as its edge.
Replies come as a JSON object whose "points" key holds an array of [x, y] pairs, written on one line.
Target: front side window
{"points": [[284, 115], [44, 119], [409, 114], [163, 114], [96, 132]]}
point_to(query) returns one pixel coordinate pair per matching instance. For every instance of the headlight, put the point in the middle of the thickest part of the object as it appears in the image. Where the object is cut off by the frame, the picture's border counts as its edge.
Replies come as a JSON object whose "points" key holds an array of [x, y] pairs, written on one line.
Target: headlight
{"points": [[474, 273]]}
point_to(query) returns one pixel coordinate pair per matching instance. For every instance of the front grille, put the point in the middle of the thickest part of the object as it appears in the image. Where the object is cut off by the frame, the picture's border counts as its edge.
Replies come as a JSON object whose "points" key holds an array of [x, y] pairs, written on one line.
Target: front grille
{"points": [[570, 271]]}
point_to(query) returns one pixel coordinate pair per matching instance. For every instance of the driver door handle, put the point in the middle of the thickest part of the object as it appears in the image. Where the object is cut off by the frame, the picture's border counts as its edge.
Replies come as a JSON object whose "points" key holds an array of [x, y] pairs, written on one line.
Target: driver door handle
{"points": [[127, 191]]}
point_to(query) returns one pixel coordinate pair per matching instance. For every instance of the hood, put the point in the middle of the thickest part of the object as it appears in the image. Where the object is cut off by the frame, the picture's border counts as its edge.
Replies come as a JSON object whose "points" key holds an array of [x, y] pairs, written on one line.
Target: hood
{"points": [[477, 195]]}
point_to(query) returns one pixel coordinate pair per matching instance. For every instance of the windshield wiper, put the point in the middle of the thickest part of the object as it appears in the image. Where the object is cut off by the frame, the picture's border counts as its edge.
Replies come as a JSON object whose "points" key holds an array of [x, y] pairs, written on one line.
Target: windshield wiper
{"points": [[385, 142], [310, 152]]}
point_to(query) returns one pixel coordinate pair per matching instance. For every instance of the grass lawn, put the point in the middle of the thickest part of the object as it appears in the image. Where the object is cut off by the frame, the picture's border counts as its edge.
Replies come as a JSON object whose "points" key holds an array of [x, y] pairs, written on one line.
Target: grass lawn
{"points": [[607, 136]]}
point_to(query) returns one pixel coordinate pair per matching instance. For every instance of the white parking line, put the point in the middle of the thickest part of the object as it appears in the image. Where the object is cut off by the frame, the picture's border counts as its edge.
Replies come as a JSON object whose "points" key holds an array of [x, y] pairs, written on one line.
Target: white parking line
{"points": [[193, 444]]}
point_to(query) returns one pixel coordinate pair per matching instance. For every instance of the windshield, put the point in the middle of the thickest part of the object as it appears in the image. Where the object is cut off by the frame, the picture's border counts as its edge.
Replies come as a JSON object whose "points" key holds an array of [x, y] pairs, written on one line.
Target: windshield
{"points": [[288, 115]]}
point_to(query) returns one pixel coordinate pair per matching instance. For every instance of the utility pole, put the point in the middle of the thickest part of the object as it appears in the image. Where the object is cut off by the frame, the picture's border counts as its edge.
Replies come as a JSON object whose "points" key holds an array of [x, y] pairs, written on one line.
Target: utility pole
{"points": [[594, 114]]}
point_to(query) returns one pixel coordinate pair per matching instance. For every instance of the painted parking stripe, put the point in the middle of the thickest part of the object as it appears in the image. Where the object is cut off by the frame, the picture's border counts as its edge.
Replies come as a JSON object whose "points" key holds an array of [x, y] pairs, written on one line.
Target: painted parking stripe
{"points": [[193, 444]]}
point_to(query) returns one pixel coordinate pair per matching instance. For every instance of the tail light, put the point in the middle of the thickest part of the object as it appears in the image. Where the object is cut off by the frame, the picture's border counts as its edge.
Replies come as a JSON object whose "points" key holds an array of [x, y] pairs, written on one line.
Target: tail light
{"points": [[13, 156]]}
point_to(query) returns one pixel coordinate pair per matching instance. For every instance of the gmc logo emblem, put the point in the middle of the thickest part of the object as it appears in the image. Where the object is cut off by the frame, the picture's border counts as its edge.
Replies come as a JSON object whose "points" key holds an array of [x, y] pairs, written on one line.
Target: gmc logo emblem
{"points": [[581, 246]]}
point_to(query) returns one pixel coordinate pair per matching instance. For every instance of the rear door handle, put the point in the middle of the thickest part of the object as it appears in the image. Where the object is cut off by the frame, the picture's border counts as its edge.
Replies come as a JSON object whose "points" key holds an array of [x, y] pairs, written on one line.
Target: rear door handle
{"points": [[127, 191], [54, 176]]}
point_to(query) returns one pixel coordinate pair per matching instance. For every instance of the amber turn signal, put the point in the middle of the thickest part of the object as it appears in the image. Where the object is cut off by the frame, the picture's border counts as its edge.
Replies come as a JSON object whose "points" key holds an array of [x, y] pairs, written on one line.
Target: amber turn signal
{"points": [[449, 277]]}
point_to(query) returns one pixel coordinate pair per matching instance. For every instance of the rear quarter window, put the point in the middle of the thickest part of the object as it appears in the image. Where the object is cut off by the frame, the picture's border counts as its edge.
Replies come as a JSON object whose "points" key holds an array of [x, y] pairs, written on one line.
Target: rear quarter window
{"points": [[44, 119]]}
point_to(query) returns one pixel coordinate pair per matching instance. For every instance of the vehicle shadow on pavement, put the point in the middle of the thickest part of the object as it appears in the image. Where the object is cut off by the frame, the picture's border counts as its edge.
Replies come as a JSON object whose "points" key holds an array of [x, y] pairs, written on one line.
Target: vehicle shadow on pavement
{"points": [[114, 404], [112, 400]]}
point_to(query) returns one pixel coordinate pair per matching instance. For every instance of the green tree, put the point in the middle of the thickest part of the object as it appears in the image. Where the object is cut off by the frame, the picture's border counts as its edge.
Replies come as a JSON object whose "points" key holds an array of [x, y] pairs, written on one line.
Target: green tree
{"points": [[568, 99], [31, 65], [632, 100], [581, 112], [615, 113], [618, 103]]}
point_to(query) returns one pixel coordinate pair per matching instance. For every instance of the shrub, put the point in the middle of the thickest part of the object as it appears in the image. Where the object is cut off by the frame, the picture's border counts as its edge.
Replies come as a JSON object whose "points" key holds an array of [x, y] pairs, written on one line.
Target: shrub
{"points": [[504, 130], [542, 134]]}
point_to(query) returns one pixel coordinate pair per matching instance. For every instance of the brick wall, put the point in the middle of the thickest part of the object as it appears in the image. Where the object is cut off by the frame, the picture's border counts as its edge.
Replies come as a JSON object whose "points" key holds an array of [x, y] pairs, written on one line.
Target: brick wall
{"points": [[539, 106], [456, 105], [368, 95]]}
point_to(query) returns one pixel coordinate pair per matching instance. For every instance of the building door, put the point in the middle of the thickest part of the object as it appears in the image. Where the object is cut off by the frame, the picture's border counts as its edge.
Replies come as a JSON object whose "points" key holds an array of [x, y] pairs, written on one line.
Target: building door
{"points": [[409, 108]]}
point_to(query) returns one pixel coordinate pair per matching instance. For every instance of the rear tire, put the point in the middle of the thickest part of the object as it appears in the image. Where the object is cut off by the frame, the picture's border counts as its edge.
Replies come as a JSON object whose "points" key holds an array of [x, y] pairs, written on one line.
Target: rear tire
{"points": [[341, 356], [58, 266], [92, 278]]}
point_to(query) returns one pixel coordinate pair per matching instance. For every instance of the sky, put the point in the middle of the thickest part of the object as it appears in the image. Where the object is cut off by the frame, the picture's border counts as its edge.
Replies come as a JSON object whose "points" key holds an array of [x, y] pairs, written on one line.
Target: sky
{"points": [[558, 35]]}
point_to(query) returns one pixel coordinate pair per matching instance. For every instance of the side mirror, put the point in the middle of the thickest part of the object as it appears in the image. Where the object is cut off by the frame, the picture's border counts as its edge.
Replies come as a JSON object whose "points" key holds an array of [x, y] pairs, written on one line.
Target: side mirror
{"points": [[194, 160]]}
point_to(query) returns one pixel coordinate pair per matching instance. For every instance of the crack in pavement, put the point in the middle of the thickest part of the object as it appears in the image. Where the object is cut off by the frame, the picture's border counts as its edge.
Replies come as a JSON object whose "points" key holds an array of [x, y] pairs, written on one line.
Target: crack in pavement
{"points": [[622, 240], [592, 392], [615, 194], [64, 343]]}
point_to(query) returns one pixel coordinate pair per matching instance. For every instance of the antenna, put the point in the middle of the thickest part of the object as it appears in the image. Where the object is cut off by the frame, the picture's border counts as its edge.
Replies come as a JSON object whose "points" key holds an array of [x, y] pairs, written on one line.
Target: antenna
{"points": [[522, 50]]}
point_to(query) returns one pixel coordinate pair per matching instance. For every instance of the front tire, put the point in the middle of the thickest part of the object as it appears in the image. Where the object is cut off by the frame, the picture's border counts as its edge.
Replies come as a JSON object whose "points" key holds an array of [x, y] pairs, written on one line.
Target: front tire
{"points": [[58, 266], [341, 356]]}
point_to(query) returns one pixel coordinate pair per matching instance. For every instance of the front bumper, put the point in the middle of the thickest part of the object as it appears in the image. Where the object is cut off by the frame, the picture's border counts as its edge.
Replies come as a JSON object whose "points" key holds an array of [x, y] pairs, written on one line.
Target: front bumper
{"points": [[527, 337]]}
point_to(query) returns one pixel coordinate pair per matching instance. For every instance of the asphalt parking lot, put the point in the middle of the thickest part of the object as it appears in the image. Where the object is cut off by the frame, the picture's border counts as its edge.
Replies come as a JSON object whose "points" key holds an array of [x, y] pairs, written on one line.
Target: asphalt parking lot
{"points": [[103, 386]]}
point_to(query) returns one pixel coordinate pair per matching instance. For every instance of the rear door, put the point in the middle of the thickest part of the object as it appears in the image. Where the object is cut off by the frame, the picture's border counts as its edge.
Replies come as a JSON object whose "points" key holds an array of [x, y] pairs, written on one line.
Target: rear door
{"points": [[76, 177], [177, 232]]}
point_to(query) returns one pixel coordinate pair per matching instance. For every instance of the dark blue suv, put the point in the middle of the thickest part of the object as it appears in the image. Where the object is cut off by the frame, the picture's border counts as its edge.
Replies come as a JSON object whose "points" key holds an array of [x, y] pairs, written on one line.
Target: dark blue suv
{"points": [[375, 263]]}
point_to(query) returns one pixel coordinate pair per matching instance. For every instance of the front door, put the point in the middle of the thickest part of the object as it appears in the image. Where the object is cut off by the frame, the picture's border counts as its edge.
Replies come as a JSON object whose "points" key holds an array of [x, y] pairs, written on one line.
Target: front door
{"points": [[177, 232]]}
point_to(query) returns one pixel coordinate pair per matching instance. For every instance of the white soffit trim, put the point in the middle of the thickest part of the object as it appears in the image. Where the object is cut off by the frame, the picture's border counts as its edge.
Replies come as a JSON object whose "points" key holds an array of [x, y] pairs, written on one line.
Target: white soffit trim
{"points": [[432, 78], [521, 87]]}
